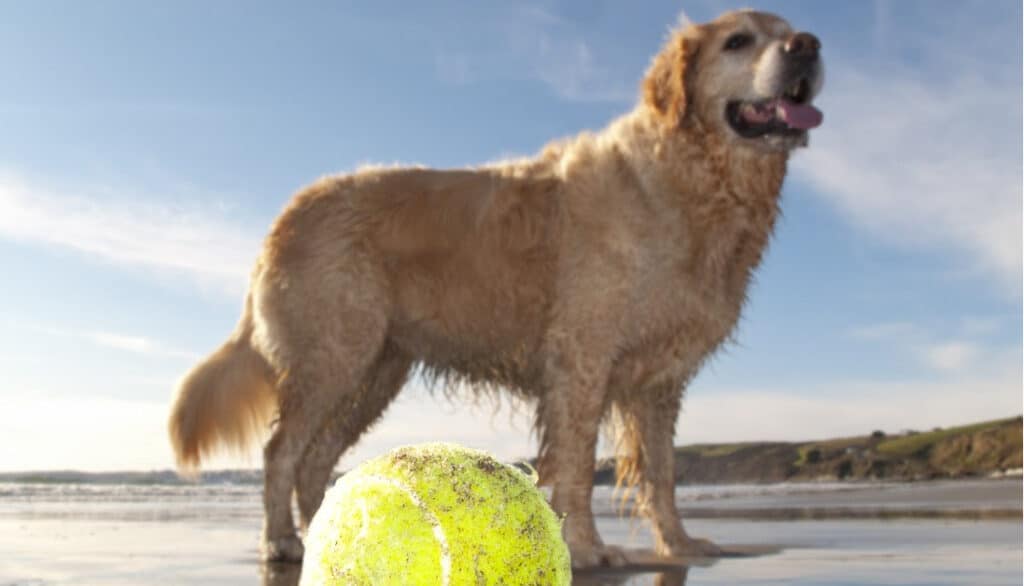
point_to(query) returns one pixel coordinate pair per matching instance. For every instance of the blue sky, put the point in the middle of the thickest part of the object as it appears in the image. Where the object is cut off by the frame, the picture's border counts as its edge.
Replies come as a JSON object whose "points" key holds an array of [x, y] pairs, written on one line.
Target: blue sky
{"points": [[146, 147]]}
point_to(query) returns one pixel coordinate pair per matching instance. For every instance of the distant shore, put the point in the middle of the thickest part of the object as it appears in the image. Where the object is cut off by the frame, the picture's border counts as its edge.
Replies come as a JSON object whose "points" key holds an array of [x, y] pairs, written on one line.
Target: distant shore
{"points": [[988, 449], [979, 450]]}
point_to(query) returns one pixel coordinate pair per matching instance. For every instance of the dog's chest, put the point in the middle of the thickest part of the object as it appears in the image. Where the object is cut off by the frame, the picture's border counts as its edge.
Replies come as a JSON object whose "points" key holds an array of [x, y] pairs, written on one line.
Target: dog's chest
{"points": [[688, 298]]}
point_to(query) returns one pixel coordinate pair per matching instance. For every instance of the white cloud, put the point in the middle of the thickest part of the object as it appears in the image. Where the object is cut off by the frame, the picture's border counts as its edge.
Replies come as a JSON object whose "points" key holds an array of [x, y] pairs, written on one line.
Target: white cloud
{"points": [[983, 325], [124, 342], [192, 242], [950, 356], [137, 345], [537, 44], [885, 330], [568, 67], [969, 347], [846, 408], [925, 163], [96, 433], [416, 416], [55, 431], [86, 433]]}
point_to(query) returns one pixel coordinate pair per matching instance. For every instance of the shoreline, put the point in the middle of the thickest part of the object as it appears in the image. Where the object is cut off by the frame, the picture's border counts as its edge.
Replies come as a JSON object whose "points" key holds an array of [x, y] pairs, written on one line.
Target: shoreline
{"points": [[974, 499], [121, 535], [254, 477]]}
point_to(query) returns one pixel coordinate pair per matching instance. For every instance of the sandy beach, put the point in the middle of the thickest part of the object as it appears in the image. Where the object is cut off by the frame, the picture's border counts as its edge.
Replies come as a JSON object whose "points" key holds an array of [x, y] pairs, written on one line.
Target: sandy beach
{"points": [[966, 532]]}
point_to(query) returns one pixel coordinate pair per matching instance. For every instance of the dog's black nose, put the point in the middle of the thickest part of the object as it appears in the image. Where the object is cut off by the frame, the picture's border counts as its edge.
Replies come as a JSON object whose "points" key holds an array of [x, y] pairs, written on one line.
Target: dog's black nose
{"points": [[802, 45]]}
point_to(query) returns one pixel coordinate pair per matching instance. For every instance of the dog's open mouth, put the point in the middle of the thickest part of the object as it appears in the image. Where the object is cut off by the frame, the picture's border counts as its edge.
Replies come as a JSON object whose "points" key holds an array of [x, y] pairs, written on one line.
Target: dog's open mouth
{"points": [[790, 114]]}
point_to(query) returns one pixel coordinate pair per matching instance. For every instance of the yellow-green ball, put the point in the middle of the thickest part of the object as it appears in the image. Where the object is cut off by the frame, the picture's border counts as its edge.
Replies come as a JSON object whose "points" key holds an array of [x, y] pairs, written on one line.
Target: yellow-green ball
{"points": [[435, 514]]}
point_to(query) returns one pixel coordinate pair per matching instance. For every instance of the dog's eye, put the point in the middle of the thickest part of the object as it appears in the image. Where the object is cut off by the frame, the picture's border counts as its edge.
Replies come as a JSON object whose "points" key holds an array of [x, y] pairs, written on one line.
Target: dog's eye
{"points": [[738, 41]]}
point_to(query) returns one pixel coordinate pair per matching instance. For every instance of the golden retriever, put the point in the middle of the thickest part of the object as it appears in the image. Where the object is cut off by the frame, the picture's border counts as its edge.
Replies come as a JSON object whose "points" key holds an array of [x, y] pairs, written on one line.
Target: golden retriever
{"points": [[592, 280]]}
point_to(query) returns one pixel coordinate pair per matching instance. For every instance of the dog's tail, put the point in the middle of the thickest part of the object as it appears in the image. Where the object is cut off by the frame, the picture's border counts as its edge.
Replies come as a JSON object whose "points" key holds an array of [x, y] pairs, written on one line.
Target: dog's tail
{"points": [[225, 401]]}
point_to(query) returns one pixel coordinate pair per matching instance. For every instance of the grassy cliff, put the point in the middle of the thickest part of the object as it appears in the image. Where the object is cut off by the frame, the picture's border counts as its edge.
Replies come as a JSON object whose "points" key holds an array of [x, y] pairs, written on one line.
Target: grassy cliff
{"points": [[973, 450]]}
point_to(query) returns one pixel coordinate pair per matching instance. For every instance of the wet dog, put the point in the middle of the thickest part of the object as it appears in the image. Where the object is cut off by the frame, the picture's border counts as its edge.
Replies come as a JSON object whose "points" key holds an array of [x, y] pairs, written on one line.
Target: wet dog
{"points": [[593, 280]]}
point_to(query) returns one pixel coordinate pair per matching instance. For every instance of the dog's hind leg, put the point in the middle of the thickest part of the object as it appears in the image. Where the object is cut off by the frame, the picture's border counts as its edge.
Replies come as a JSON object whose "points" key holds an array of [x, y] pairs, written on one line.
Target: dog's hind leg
{"points": [[349, 419], [647, 458], [325, 356]]}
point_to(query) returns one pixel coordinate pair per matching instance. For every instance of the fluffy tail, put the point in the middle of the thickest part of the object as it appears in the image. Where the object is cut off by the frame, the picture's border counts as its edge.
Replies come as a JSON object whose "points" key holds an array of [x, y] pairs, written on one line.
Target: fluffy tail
{"points": [[225, 401]]}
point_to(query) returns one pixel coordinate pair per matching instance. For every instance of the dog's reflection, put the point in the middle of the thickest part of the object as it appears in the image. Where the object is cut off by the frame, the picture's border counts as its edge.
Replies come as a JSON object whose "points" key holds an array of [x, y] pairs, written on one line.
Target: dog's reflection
{"points": [[288, 575], [277, 574], [677, 578], [612, 578]]}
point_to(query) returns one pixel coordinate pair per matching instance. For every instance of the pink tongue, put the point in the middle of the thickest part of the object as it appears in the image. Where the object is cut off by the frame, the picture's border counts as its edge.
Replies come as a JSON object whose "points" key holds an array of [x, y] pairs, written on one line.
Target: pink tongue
{"points": [[801, 116]]}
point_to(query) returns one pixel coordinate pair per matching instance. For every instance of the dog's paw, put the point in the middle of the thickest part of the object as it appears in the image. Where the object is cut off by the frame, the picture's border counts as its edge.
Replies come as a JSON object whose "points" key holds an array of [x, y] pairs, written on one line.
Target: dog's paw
{"points": [[283, 549], [597, 555], [693, 548]]}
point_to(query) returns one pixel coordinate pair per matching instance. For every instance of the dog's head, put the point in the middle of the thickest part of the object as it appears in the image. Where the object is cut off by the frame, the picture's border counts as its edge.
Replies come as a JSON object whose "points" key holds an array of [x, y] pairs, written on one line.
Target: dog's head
{"points": [[745, 75]]}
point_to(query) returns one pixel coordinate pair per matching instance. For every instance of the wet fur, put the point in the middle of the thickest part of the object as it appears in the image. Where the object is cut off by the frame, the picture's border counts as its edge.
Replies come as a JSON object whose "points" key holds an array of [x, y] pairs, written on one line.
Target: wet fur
{"points": [[593, 280]]}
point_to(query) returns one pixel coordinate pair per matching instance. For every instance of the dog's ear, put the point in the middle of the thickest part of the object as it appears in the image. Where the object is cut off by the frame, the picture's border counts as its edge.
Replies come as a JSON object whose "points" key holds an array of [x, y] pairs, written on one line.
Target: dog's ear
{"points": [[668, 81]]}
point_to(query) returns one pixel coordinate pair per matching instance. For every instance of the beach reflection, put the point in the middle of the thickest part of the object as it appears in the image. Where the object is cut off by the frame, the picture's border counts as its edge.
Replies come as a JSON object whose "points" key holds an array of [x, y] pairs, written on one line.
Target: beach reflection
{"points": [[621, 578], [288, 575], [128, 535]]}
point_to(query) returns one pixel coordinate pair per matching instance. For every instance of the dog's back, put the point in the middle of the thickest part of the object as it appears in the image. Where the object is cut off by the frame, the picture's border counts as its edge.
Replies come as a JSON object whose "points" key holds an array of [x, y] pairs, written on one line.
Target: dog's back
{"points": [[465, 259]]}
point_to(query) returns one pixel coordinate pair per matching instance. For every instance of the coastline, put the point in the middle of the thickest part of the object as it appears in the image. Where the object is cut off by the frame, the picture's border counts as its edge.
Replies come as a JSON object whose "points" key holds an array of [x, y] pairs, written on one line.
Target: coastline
{"points": [[122, 534]]}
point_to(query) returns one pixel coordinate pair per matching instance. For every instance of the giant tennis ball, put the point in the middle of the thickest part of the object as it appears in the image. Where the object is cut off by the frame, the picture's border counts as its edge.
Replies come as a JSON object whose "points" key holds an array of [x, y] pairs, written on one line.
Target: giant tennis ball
{"points": [[435, 514]]}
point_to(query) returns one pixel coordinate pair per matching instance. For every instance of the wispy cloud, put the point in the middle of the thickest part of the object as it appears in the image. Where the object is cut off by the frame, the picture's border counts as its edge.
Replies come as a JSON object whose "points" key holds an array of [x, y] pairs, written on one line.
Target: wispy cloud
{"points": [[196, 242], [569, 67], [842, 408], [983, 325], [123, 342], [120, 434], [540, 45], [927, 157], [136, 344], [503, 429], [950, 356], [88, 433], [884, 331], [958, 346]]}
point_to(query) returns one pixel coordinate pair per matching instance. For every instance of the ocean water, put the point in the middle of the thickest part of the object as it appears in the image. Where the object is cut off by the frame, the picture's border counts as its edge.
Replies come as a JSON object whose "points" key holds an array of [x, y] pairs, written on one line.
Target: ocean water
{"points": [[962, 533]]}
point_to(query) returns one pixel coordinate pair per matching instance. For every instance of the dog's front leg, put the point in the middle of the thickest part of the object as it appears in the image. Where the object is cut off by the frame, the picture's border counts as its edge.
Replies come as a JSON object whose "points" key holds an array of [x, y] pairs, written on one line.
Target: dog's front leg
{"points": [[569, 419], [654, 416]]}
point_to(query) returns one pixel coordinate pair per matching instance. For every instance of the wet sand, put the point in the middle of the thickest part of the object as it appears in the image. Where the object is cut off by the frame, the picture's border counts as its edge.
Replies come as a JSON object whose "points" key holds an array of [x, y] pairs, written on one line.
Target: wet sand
{"points": [[972, 535]]}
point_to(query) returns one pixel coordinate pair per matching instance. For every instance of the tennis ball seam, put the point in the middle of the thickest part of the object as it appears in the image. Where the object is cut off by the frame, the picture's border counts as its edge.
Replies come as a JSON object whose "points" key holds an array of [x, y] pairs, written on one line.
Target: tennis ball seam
{"points": [[435, 523]]}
